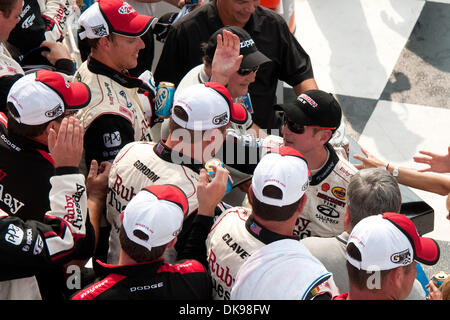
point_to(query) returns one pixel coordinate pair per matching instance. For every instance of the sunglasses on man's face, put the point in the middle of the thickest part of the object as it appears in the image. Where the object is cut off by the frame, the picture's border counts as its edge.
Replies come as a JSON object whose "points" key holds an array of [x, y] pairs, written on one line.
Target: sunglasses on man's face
{"points": [[300, 129], [247, 71]]}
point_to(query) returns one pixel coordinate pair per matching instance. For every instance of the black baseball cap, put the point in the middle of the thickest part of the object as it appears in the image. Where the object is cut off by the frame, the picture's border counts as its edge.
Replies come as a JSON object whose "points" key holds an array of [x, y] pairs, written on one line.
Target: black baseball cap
{"points": [[314, 108], [252, 56]]}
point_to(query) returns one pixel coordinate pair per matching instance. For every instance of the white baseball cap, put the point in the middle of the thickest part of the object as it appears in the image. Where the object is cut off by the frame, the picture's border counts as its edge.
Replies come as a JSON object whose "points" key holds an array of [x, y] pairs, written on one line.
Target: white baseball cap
{"points": [[389, 241], [208, 106], [113, 16], [284, 168], [155, 215], [44, 95], [283, 270]]}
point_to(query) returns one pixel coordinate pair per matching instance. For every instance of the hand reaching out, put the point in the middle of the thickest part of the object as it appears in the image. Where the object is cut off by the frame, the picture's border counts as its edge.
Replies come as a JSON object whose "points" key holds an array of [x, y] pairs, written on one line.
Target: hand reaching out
{"points": [[97, 180], [369, 162], [437, 163]]}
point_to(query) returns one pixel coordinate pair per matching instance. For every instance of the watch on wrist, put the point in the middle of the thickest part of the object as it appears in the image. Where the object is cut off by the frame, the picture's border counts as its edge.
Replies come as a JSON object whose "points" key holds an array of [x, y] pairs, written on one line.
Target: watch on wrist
{"points": [[395, 173]]}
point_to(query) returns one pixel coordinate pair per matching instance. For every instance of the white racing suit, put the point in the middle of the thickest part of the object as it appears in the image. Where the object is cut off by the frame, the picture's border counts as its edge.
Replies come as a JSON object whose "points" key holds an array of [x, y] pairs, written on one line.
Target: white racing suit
{"points": [[323, 215], [232, 239], [112, 94], [141, 164]]}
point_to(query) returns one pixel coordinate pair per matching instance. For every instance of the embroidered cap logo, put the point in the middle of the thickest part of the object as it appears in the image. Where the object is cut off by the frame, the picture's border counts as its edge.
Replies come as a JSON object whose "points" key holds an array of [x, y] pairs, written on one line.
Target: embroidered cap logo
{"points": [[305, 98], [247, 43], [126, 9], [403, 257], [220, 119], [55, 112]]}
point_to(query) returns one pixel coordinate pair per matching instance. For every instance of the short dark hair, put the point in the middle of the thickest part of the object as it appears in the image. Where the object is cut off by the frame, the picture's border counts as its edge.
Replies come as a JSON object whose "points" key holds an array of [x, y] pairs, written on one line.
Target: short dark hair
{"points": [[6, 6], [93, 43], [360, 278], [269, 212], [206, 59], [137, 252], [25, 130]]}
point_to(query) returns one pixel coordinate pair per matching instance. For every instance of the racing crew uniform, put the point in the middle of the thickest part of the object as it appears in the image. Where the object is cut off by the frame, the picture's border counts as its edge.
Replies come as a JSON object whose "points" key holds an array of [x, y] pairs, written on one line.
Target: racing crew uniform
{"points": [[41, 20], [154, 280], [25, 169], [323, 215], [117, 114], [24, 189], [11, 71], [232, 239], [140, 164], [29, 246]]}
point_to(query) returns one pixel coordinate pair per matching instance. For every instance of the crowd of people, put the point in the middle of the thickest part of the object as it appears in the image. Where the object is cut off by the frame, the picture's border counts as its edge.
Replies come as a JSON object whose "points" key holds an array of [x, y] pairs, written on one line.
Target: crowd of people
{"points": [[91, 170]]}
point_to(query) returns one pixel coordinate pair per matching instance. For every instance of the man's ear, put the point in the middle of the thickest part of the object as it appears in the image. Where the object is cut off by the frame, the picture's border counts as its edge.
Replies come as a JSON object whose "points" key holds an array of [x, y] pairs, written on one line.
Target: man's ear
{"points": [[347, 219], [302, 203], [52, 125], [325, 135], [395, 278], [207, 68], [104, 42]]}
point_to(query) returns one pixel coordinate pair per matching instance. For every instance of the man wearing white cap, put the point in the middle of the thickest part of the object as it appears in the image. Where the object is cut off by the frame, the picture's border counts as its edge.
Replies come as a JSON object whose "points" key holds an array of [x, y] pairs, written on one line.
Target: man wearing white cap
{"points": [[120, 110], [200, 116], [150, 224], [37, 103], [43, 205], [277, 195], [382, 251], [370, 192], [11, 11]]}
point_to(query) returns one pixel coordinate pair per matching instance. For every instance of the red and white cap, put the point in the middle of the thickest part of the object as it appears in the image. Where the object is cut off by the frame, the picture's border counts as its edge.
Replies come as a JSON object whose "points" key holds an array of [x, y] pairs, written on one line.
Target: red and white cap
{"points": [[113, 16], [155, 215], [208, 106], [389, 241], [284, 168], [44, 95]]}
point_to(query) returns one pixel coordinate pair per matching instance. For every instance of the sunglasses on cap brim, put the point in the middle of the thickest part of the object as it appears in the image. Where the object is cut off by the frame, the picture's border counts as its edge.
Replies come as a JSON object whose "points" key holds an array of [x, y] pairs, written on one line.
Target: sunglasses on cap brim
{"points": [[247, 71], [299, 128]]}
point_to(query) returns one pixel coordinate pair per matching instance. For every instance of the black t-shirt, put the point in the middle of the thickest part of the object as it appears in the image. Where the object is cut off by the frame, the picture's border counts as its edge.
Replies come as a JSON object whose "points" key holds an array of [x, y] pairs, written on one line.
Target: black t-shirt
{"points": [[290, 62]]}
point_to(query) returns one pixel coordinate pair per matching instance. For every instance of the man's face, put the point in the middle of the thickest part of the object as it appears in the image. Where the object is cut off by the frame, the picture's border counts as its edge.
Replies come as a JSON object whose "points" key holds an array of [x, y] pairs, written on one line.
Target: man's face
{"points": [[302, 142], [124, 51], [237, 12], [238, 84], [8, 23]]}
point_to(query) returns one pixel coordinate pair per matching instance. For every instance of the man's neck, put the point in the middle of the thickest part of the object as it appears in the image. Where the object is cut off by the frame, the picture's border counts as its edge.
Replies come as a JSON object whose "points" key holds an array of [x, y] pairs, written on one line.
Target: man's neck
{"points": [[125, 259], [317, 158], [281, 227], [368, 294], [187, 150], [104, 59]]}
